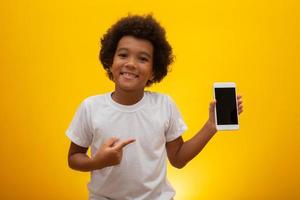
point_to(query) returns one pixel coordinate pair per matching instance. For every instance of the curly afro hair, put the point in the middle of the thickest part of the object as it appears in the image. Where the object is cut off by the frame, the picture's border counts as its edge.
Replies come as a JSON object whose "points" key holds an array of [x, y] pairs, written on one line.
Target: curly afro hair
{"points": [[142, 27]]}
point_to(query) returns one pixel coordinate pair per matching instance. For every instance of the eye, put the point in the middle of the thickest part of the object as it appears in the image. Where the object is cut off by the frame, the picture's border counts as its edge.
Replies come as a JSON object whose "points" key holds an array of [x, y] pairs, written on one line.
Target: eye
{"points": [[144, 59], [122, 55]]}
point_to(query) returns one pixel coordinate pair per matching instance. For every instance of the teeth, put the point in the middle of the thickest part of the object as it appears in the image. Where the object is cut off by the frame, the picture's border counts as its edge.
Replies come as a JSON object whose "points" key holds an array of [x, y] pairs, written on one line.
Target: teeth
{"points": [[129, 75]]}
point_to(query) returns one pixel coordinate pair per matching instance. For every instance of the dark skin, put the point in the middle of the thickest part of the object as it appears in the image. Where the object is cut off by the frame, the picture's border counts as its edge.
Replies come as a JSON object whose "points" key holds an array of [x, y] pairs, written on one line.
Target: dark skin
{"points": [[75, 153], [109, 154], [179, 152], [131, 69]]}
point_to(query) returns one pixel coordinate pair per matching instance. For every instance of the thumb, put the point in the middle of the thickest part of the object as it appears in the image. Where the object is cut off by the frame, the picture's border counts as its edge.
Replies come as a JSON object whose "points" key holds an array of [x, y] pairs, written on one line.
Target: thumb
{"points": [[212, 107], [111, 141], [122, 144]]}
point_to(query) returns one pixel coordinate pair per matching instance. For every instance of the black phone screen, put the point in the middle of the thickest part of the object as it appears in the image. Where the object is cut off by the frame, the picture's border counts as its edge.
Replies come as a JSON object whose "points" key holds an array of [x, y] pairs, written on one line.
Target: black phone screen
{"points": [[226, 106]]}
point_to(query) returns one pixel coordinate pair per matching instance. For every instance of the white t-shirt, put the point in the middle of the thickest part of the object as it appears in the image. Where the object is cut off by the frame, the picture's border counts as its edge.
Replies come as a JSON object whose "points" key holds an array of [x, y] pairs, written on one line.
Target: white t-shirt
{"points": [[152, 122]]}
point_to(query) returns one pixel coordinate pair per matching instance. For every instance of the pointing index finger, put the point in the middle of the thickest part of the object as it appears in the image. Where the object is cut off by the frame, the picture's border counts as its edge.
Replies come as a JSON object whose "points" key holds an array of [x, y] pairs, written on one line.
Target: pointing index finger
{"points": [[124, 143]]}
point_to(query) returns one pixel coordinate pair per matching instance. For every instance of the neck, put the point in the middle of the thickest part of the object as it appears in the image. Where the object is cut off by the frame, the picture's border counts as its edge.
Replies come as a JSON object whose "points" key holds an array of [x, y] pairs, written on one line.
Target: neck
{"points": [[127, 97]]}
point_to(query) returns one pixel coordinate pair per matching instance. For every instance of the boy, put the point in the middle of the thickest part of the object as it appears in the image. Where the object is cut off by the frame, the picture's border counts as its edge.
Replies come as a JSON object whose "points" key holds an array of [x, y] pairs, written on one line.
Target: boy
{"points": [[130, 131]]}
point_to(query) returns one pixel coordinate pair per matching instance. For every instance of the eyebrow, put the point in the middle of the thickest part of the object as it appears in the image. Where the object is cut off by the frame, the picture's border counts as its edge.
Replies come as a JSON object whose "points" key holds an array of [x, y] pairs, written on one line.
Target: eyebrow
{"points": [[141, 52]]}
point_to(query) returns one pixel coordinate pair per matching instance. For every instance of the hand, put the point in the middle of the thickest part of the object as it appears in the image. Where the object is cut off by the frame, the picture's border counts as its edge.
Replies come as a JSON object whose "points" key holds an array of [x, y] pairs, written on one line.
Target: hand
{"points": [[240, 104], [110, 153], [211, 124]]}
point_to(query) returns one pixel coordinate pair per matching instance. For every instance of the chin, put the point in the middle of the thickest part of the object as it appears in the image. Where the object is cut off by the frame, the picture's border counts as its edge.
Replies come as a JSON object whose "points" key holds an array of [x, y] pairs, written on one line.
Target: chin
{"points": [[127, 88]]}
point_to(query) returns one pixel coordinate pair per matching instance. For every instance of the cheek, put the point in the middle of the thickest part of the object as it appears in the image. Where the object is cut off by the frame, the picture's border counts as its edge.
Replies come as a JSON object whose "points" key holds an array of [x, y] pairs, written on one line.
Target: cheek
{"points": [[114, 72], [147, 72], [115, 66]]}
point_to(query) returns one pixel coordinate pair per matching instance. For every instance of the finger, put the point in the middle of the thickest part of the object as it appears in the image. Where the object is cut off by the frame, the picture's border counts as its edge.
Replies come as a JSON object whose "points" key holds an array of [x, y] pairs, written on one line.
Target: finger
{"points": [[111, 141], [212, 105], [124, 143], [240, 110], [239, 96]]}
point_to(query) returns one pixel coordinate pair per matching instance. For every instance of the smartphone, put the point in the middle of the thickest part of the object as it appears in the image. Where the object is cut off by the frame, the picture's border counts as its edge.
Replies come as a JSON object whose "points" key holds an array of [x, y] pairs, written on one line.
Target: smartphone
{"points": [[226, 112]]}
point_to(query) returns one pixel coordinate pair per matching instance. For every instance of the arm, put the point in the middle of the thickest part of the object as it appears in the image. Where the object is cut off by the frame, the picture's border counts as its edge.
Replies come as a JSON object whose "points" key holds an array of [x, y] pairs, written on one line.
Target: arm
{"points": [[78, 159], [180, 152], [110, 153]]}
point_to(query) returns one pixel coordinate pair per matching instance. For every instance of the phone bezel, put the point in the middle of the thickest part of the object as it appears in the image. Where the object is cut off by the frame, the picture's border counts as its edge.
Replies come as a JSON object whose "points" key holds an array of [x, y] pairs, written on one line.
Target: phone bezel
{"points": [[226, 126]]}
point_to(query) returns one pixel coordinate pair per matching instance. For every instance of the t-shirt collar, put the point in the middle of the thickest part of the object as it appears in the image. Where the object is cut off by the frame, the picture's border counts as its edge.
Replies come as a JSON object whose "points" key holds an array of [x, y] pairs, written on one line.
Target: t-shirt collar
{"points": [[126, 108]]}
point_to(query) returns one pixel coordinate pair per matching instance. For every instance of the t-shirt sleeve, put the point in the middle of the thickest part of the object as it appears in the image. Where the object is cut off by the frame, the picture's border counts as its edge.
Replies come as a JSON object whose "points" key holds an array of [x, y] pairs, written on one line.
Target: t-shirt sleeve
{"points": [[176, 124], [80, 130]]}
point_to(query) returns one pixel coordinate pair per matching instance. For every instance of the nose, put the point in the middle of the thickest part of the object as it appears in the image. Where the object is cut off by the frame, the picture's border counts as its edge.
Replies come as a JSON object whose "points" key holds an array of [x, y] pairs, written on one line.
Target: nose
{"points": [[131, 63]]}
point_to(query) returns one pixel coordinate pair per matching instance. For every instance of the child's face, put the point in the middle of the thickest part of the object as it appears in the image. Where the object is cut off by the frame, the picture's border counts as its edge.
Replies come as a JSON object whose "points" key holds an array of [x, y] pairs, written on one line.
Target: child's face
{"points": [[132, 64]]}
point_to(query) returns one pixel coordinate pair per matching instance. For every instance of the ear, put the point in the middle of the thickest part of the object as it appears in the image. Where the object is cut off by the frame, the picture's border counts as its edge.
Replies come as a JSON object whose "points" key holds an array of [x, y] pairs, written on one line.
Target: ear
{"points": [[108, 70]]}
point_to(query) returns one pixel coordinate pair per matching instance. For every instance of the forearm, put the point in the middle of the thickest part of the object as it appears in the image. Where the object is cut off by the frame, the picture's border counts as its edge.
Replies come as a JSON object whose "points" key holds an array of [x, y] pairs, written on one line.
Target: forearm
{"points": [[81, 162], [193, 147]]}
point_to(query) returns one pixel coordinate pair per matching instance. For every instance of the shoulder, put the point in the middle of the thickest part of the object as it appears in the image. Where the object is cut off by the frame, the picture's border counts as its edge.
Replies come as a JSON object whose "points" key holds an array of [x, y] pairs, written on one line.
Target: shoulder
{"points": [[158, 98], [94, 101], [96, 98]]}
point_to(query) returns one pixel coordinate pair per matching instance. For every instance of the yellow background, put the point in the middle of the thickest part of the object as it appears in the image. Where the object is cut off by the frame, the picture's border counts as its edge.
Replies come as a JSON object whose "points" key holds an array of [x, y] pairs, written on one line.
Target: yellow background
{"points": [[49, 64]]}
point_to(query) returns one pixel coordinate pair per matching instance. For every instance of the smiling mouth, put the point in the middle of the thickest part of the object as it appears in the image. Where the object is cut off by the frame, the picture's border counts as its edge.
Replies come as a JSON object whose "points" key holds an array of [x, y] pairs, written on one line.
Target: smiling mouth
{"points": [[129, 75]]}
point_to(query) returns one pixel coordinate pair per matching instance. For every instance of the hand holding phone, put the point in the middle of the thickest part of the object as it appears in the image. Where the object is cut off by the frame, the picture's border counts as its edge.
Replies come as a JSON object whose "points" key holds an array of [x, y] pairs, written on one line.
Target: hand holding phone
{"points": [[226, 111]]}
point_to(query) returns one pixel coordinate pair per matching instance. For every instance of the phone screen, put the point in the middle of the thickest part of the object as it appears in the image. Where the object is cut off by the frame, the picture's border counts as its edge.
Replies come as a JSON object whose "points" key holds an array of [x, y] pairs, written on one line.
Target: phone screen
{"points": [[226, 106]]}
